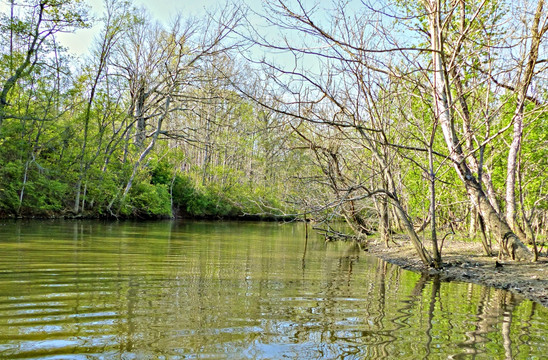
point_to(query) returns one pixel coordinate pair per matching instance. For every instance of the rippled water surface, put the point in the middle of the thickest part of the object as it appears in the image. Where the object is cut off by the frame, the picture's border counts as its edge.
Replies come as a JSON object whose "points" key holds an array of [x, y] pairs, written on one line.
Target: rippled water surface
{"points": [[170, 290]]}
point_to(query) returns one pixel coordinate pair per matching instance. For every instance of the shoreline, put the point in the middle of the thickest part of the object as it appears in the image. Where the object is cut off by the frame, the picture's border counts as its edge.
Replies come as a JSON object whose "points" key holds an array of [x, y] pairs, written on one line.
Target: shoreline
{"points": [[465, 262], [237, 217]]}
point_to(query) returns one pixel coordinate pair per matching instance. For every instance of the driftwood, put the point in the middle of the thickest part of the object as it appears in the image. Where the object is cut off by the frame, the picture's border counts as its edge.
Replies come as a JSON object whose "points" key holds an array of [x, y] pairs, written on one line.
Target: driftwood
{"points": [[333, 235]]}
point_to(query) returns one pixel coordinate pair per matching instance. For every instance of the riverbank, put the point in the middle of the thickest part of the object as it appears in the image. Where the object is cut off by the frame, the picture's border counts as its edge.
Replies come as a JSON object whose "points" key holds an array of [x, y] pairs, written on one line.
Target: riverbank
{"points": [[464, 261], [107, 217]]}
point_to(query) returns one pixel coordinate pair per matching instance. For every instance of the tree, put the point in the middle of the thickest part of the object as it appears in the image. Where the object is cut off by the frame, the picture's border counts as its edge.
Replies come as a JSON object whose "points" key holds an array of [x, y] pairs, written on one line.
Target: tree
{"points": [[337, 99], [39, 22], [448, 54], [116, 23], [444, 112], [525, 73], [161, 66]]}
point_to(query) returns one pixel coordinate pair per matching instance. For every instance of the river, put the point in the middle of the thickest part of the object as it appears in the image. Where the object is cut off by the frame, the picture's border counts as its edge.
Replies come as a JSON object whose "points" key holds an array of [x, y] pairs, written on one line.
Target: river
{"points": [[236, 290]]}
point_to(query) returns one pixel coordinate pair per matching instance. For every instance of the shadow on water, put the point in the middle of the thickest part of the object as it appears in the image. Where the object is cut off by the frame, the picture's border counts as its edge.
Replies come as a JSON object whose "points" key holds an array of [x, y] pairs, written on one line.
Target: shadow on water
{"points": [[94, 290]]}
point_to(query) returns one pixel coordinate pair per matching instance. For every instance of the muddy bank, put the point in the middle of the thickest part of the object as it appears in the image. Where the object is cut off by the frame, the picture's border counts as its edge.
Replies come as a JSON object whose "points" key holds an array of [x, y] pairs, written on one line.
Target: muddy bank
{"points": [[464, 261]]}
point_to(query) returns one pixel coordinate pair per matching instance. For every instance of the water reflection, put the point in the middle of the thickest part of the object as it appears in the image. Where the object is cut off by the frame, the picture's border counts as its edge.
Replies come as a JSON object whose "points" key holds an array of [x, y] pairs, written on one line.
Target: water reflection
{"points": [[222, 290]]}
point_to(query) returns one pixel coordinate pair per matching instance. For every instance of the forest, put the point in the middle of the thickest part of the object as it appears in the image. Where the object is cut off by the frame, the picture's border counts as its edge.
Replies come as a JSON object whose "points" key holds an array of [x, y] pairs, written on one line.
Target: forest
{"points": [[418, 117]]}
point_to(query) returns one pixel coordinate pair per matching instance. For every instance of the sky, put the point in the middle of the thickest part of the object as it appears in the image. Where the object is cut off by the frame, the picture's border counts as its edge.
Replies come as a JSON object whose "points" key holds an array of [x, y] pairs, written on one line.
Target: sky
{"points": [[79, 42]]}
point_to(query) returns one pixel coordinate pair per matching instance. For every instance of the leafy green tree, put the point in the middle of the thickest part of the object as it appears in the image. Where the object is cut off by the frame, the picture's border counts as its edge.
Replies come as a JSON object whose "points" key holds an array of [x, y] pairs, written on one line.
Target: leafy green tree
{"points": [[31, 27]]}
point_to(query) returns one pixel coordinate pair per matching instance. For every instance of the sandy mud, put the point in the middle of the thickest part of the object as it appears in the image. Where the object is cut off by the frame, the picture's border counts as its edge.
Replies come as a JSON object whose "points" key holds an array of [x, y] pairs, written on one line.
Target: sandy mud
{"points": [[464, 261]]}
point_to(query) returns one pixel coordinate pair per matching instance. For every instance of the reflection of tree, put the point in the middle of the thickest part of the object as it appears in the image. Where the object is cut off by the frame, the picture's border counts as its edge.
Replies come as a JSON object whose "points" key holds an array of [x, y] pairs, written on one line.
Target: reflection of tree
{"points": [[303, 261], [174, 290], [433, 298], [507, 310], [526, 330], [495, 312], [376, 311], [351, 255], [482, 326], [405, 311]]}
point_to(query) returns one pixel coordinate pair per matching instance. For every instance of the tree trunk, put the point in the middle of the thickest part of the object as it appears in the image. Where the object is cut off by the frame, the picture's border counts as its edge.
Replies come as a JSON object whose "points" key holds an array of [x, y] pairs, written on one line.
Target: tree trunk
{"points": [[384, 224], [145, 152], [473, 227], [140, 116], [26, 66], [435, 249], [496, 225], [485, 241], [523, 86], [388, 180], [511, 175], [442, 111]]}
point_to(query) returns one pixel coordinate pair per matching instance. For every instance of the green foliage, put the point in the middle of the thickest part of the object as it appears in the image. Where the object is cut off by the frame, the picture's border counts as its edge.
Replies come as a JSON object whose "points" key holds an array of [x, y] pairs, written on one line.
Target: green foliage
{"points": [[27, 189], [183, 193], [148, 200], [101, 188], [200, 202], [162, 173], [44, 197], [10, 173]]}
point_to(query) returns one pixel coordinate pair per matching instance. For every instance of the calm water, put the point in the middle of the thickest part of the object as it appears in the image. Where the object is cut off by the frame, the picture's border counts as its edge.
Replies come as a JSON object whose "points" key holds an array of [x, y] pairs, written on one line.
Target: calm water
{"points": [[170, 290]]}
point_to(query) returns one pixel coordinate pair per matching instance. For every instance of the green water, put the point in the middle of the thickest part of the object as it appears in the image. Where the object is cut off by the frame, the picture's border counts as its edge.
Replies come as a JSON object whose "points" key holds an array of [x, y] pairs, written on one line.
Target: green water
{"points": [[175, 290]]}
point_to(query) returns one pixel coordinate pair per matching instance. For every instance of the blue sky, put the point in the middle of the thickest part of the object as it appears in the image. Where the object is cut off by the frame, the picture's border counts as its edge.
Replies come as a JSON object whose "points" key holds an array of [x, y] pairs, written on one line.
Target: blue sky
{"points": [[163, 10], [80, 42]]}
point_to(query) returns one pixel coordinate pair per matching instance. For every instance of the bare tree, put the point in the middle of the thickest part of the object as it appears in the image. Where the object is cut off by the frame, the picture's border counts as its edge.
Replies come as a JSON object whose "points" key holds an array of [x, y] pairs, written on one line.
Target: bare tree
{"points": [[336, 93], [448, 53], [161, 66]]}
